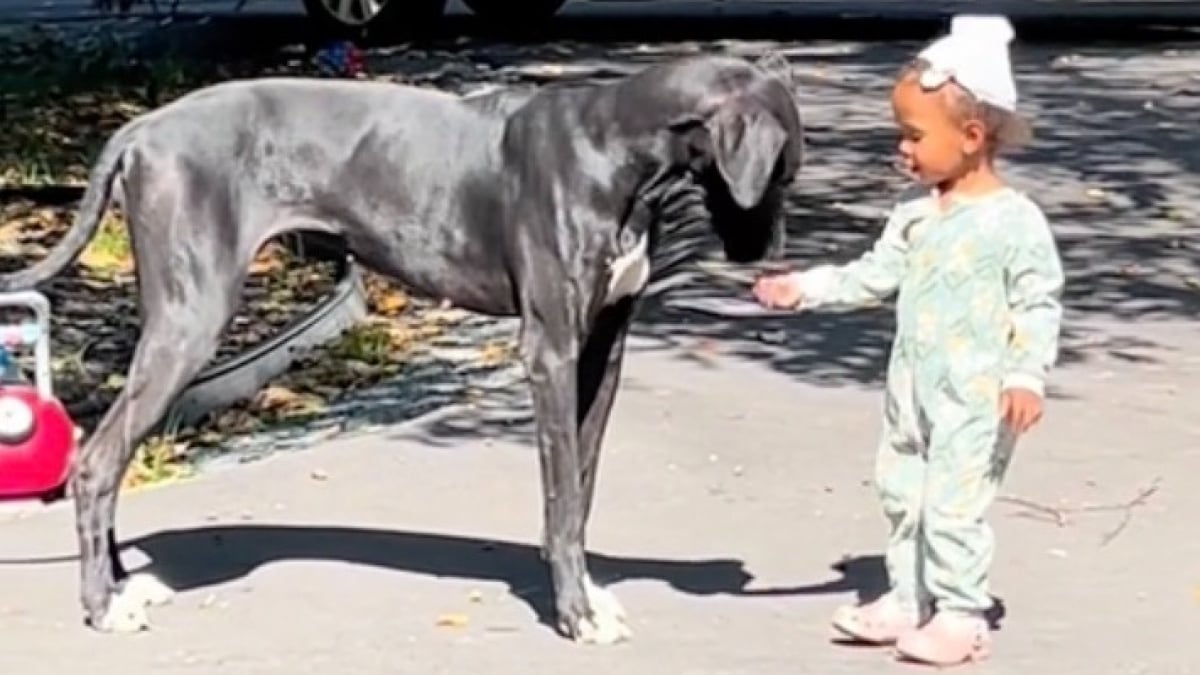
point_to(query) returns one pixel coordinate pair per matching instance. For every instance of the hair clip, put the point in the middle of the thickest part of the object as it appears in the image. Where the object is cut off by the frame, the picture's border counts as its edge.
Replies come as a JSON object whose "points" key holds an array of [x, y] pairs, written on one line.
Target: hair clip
{"points": [[934, 77]]}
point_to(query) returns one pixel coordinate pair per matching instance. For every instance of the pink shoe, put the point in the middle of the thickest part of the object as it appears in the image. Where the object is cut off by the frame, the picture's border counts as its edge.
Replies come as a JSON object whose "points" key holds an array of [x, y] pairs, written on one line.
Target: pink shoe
{"points": [[880, 622], [948, 639]]}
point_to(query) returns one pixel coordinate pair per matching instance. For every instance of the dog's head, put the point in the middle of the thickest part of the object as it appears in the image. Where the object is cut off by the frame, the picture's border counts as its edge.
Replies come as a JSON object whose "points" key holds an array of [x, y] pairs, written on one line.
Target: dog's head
{"points": [[743, 147]]}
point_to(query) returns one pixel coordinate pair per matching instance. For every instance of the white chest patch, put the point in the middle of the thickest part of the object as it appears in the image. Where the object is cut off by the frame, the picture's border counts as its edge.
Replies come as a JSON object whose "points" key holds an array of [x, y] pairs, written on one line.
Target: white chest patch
{"points": [[629, 272]]}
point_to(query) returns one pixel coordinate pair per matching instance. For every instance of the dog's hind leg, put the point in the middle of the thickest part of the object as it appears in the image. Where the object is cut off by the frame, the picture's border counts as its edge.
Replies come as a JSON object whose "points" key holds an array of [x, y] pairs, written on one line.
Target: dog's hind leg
{"points": [[166, 358], [182, 320]]}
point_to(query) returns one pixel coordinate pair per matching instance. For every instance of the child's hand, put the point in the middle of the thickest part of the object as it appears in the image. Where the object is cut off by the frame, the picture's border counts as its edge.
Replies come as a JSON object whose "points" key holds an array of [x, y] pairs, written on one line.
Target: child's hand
{"points": [[778, 291], [1020, 408]]}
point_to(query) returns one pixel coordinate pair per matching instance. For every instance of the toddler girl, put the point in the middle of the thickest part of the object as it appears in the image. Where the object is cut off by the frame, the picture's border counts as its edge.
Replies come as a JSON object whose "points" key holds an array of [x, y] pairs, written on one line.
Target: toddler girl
{"points": [[977, 279]]}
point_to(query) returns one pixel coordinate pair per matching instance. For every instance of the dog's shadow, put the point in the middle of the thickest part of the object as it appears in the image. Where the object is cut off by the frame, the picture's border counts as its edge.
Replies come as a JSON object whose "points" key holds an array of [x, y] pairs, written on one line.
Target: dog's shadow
{"points": [[189, 559], [196, 558]]}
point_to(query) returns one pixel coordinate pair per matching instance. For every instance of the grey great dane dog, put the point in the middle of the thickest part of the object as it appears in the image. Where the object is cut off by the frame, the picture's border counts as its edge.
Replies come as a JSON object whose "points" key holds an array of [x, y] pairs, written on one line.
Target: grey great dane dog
{"points": [[545, 204]]}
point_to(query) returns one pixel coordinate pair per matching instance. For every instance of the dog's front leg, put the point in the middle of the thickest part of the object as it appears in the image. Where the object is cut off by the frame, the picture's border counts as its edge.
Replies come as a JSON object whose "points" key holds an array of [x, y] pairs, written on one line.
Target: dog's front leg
{"points": [[586, 612], [599, 375]]}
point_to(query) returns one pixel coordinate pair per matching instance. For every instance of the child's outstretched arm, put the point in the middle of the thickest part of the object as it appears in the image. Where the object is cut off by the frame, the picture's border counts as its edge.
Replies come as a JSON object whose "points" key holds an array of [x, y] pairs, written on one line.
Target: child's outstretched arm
{"points": [[869, 279], [1035, 279]]}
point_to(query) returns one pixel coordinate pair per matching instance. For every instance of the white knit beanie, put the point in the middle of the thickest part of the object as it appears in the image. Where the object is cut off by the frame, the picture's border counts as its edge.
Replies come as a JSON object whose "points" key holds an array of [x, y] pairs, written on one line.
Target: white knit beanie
{"points": [[974, 55]]}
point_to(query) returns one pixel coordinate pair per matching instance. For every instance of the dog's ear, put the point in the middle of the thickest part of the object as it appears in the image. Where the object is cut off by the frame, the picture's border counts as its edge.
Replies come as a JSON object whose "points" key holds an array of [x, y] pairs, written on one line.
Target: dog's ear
{"points": [[776, 65], [746, 141]]}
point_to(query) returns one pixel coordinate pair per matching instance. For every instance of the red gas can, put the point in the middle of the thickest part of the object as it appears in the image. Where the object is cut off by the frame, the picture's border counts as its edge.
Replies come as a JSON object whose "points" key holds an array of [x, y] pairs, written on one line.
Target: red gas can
{"points": [[37, 436]]}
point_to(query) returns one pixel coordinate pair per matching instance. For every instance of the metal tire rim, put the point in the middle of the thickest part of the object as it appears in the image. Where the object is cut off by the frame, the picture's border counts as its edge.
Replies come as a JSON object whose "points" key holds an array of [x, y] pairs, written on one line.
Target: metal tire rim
{"points": [[354, 12]]}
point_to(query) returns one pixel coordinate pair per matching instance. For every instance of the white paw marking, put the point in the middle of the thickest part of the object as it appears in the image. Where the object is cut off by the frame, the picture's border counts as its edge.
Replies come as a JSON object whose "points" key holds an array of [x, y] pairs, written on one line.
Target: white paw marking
{"points": [[629, 272], [608, 624], [124, 616], [127, 609], [147, 589]]}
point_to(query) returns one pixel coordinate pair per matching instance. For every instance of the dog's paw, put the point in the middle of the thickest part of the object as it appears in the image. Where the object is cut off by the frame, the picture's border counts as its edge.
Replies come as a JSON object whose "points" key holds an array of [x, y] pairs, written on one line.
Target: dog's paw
{"points": [[123, 616], [127, 608], [147, 590], [608, 624]]}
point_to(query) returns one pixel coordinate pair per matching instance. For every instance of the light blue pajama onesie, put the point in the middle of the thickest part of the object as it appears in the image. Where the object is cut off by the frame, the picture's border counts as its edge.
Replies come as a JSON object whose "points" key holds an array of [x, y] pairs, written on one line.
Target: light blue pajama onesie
{"points": [[977, 307]]}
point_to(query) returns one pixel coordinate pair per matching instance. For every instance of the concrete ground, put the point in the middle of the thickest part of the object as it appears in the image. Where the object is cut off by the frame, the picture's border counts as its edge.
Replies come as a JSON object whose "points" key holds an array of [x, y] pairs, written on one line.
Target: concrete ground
{"points": [[734, 502], [728, 496]]}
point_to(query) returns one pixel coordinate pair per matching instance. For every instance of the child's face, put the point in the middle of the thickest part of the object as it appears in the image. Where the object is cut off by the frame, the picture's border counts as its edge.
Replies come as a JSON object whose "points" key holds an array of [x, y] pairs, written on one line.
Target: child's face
{"points": [[935, 146]]}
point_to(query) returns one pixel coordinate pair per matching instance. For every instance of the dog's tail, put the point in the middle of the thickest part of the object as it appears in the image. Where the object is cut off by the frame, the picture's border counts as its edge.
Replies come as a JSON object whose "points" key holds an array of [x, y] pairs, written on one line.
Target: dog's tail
{"points": [[87, 218]]}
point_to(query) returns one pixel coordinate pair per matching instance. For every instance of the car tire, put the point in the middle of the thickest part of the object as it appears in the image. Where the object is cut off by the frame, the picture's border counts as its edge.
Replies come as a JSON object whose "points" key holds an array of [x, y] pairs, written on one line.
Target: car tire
{"points": [[526, 10], [392, 18]]}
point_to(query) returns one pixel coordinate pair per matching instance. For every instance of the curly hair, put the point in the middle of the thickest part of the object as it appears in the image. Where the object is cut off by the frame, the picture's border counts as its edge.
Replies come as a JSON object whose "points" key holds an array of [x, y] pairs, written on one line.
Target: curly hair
{"points": [[1005, 129]]}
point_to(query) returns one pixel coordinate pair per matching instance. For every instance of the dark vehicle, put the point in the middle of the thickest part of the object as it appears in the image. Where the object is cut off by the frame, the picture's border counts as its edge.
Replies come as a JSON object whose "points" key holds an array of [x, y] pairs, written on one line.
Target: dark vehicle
{"points": [[361, 15]]}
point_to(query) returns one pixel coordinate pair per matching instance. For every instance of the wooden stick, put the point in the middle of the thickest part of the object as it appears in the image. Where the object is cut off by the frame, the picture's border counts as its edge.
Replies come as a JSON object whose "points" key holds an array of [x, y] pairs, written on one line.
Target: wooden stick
{"points": [[1059, 515]]}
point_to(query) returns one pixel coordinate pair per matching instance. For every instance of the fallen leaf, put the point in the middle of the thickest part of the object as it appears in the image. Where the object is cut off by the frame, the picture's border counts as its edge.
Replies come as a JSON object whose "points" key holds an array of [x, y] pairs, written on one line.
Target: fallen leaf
{"points": [[275, 398], [452, 620], [269, 261], [496, 353], [391, 304], [114, 381]]}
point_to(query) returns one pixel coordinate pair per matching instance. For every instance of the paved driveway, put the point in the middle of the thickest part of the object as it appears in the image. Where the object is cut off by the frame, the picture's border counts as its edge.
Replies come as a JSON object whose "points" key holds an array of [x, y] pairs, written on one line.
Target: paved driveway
{"points": [[735, 478], [729, 493]]}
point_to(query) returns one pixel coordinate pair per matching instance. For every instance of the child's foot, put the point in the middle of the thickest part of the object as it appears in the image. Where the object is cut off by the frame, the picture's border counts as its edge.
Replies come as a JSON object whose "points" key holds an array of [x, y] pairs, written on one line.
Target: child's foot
{"points": [[880, 622], [948, 639]]}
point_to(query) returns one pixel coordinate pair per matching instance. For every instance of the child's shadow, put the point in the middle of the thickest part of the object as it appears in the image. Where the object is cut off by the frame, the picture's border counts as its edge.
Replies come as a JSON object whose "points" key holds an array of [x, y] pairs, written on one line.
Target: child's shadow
{"points": [[867, 577]]}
